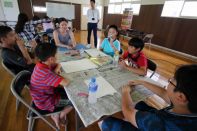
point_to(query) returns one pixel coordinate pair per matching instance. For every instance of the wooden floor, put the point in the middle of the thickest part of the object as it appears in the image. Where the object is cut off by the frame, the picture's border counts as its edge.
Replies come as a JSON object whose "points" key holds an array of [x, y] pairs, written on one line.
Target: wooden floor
{"points": [[12, 121]]}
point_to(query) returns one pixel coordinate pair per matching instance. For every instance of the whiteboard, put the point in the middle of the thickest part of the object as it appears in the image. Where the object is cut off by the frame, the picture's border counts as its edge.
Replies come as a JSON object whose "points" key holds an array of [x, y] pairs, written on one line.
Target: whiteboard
{"points": [[2, 16], [11, 12], [57, 10]]}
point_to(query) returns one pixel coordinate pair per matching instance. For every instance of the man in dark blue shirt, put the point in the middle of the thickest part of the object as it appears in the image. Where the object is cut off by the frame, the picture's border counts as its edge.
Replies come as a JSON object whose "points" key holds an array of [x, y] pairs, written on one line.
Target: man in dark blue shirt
{"points": [[181, 93], [14, 54]]}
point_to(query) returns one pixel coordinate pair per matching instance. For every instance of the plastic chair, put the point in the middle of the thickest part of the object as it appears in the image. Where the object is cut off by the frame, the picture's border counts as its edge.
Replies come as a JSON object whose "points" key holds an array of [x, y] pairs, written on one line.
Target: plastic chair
{"points": [[21, 80], [151, 66]]}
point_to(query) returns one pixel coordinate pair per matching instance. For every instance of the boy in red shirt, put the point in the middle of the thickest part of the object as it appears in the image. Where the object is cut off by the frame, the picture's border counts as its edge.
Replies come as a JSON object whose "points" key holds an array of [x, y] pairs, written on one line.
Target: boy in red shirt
{"points": [[137, 61], [46, 93]]}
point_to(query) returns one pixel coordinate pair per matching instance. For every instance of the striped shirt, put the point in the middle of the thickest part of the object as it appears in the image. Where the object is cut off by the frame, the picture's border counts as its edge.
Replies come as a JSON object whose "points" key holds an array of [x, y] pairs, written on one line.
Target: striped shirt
{"points": [[43, 83], [29, 26]]}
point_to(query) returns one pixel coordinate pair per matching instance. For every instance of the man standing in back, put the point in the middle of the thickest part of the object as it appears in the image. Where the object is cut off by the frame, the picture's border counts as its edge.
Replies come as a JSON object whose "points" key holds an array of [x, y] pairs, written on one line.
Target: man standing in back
{"points": [[93, 19]]}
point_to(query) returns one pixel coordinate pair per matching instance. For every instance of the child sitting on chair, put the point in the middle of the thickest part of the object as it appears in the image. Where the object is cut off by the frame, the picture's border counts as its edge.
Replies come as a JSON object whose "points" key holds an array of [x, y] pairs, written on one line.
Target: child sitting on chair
{"points": [[45, 84], [137, 61], [110, 45]]}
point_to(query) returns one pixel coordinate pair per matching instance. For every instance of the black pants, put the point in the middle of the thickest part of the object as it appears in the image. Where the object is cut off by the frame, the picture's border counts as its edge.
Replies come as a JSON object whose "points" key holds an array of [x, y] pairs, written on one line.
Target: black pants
{"points": [[92, 26]]}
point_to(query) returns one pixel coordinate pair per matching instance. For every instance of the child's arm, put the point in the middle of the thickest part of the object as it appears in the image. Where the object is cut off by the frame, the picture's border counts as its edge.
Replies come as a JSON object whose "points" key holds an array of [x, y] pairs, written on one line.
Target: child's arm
{"points": [[128, 107], [140, 71], [57, 69], [22, 48], [73, 42], [112, 45], [154, 88], [64, 82]]}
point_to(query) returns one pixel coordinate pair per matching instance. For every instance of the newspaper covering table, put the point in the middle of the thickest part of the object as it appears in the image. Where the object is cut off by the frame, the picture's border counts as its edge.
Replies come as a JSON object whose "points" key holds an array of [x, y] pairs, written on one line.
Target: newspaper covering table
{"points": [[107, 105]]}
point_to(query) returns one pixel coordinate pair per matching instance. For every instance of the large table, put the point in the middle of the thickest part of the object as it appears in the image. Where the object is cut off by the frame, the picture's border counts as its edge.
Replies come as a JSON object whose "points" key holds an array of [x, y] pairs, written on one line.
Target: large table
{"points": [[107, 105]]}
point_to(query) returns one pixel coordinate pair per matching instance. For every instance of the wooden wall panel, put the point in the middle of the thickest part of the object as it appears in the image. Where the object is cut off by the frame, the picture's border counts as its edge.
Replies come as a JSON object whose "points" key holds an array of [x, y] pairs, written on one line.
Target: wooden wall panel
{"points": [[174, 33], [25, 7]]}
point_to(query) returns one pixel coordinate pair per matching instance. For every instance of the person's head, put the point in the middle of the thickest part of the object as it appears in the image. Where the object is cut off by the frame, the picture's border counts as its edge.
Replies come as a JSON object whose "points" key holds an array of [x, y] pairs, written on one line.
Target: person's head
{"points": [[63, 24], [46, 52], [182, 89], [113, 31], [7, 35], [35, 17], [22, 19], [45, 38], [135, 45], [92, 4]]}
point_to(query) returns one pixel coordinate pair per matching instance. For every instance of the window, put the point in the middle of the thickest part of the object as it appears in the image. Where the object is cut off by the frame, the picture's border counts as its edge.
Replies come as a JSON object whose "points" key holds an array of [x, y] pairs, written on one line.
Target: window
{"points": [[85, 10], [100, 10], [118, 6], [115, 1], [189, 9], [111, 8], [172, 8], [136, 8], [39, 9], [180, 8]]}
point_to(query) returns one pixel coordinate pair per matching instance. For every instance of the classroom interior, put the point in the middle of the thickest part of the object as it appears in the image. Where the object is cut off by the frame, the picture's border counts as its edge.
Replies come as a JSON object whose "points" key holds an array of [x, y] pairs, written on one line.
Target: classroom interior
{"points": [[172, 27]]}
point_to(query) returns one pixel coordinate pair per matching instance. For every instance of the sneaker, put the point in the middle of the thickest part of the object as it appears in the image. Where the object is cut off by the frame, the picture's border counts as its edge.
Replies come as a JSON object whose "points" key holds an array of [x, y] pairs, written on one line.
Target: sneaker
{"points": [[88, 46]]}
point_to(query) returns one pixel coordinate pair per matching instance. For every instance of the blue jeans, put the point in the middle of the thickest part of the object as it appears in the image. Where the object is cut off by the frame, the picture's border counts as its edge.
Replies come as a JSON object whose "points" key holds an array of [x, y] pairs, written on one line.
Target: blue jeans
{"points": [[77, 47]]}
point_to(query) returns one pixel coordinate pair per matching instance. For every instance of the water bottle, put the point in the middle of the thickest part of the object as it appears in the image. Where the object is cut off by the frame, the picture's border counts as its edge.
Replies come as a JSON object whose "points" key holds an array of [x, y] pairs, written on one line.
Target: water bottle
{"points": [[92, 91], [116, 59], [81, 51]]}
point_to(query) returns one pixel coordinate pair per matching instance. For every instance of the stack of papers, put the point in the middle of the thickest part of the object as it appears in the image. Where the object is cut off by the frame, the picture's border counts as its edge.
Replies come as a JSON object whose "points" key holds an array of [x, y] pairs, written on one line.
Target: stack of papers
{"points": [[95, 53], [78, 65]]}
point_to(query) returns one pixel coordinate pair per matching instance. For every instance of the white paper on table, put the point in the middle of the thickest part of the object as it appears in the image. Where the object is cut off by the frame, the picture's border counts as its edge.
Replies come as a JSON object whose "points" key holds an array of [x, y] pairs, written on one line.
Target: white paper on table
{"points": [[104, 88], [78, 65], [95, 53]]}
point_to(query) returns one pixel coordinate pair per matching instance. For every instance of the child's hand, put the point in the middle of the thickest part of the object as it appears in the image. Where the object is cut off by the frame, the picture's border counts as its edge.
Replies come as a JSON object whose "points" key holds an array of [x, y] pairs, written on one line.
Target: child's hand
{"points": [[68, 47], [135, 82], [58, 69], [123, 64], [33, 44], [127, 89]]}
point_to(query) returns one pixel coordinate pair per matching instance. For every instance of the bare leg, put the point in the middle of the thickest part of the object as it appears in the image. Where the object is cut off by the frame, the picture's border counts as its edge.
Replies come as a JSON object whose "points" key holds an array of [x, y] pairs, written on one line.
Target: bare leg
{"points": [[64, 113], [56, 119]]}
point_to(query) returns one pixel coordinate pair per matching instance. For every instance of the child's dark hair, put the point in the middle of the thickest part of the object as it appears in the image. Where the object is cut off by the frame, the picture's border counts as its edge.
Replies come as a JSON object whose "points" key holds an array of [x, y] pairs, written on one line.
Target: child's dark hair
{"points": [[44, 35], [62, 19], [137, 43], [45, 50], [115, 28], [92, 1], [186, 79], [4, 30]]}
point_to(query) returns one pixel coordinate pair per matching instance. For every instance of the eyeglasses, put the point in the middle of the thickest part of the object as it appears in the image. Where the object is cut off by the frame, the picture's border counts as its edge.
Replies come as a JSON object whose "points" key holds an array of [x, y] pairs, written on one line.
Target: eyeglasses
{"points": [[170, 81]]}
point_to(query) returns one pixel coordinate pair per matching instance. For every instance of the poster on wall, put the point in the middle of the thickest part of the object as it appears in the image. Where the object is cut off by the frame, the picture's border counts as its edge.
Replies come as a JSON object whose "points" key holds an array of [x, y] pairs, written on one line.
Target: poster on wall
{"points": [[127, 18], [8, 3]]}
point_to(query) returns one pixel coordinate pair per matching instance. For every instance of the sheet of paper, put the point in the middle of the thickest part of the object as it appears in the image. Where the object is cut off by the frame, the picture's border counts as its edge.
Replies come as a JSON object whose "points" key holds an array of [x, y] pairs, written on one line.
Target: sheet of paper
{"points": [[95, 53], [78, 65], [104, 88]]}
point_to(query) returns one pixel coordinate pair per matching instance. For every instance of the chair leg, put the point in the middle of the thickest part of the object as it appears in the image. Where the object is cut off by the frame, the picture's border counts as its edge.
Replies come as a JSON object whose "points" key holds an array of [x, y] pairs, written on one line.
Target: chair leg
{"points": [[17, 104], [30, 123]]}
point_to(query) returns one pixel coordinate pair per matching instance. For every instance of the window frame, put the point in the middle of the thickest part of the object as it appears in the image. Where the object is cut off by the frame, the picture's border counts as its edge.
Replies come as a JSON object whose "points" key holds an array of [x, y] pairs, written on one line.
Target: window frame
{"points": [[182, 8]]}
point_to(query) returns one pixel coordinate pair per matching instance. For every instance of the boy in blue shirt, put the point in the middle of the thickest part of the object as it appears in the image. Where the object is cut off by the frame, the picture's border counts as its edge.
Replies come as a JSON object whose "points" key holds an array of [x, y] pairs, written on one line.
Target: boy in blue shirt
{"points": [[110, 45], [181, 93]]}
